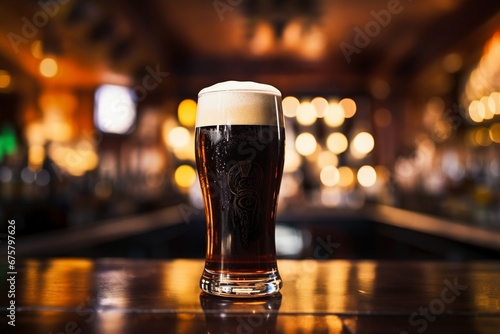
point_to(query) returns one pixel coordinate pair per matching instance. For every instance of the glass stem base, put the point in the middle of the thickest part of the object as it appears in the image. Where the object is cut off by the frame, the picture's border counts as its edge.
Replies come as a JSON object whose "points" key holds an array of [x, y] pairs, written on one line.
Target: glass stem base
{"points": [[241, 285]]}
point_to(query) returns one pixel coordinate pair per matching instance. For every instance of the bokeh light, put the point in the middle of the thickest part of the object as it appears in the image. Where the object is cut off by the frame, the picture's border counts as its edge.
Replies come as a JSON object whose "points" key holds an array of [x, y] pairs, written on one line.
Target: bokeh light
{"points": [[185, 176], [292, 161], [290, 106], [349, 107], [292, 35], [305, 144], [48, 67], [36, 156], [335, 115], [326, 158], [367, 176], [363, 143], [74, 157], [495, 132], [494, 101], [115, 110], [337, 142], [37, 49], [329, 176], [483, 136], [320, 105], [346, 177], [42, 177], [306, 114], [35, 134], [313, 42], [263, 39], [5, 79], [474, 113], [186, 113], [485, 105], [178, 137], [491, 104]]}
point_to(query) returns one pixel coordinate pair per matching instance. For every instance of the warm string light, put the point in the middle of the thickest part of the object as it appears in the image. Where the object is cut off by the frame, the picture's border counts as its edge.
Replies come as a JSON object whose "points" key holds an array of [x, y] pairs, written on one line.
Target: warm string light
{"points": [[349, 107], [306, 114], [337, 142], [484, 136], [367, 176], [326, 158], [185, 176], [363, 143], [48, 67], [5, 79], [53, 135], [306, 144], [337, 180], [186, 112], [481, 95], [299, 37], [178, 137], [335, 115], [329, 176], [290, 106], [302, 148], [485, 108]]}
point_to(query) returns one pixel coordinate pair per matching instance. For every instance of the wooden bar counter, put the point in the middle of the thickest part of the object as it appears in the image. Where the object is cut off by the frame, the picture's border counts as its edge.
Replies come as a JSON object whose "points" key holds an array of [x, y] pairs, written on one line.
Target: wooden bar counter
{"points": [[334, 296]]}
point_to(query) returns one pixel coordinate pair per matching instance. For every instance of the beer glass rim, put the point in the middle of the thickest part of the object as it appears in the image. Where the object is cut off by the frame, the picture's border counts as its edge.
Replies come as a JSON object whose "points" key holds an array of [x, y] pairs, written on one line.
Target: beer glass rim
{"points": [[240, 86]]}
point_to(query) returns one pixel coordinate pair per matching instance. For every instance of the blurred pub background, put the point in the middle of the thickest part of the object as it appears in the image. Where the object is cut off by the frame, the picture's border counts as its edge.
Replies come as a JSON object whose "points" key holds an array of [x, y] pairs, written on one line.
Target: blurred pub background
{"points": [[392, 114]]}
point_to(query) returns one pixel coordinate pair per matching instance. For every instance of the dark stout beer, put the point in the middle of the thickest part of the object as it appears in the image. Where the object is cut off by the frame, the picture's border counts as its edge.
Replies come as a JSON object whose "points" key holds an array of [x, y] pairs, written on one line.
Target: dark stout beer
{"points": [[241, 167], [239, 157]]}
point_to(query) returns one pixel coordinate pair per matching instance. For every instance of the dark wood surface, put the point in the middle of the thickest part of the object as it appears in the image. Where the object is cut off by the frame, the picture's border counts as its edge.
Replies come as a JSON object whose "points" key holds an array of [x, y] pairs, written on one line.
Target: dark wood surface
{"points": [[141, 296]]}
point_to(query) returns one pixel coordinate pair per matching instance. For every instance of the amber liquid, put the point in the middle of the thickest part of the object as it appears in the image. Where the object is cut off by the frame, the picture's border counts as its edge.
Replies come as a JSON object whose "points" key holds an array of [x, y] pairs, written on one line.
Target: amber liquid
{"points": [[240, 169]]}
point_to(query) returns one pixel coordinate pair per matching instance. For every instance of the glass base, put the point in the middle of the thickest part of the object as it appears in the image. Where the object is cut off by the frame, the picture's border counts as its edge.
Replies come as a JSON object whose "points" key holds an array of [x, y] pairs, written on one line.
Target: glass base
{"points": [[241, 285]]}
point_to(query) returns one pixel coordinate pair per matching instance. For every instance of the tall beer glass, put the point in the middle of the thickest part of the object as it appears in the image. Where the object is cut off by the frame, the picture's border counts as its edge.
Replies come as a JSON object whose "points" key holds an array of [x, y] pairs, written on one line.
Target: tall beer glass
{"points": [[240, 139]]}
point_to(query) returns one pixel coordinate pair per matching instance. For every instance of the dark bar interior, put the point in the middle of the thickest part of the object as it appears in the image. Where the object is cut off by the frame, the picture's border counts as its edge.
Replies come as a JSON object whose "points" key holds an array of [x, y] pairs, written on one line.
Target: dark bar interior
{"points": [[390, 197]]}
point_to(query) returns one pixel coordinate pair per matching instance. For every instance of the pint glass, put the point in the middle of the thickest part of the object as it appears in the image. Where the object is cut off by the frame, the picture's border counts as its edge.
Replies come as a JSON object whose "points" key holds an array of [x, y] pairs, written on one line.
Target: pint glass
{"points": [[240, 139]]}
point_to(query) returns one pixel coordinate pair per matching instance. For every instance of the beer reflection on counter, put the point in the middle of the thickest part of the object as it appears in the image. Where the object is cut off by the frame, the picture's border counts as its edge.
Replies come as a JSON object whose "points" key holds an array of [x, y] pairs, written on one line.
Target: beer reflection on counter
{"points": [[240, 315]]}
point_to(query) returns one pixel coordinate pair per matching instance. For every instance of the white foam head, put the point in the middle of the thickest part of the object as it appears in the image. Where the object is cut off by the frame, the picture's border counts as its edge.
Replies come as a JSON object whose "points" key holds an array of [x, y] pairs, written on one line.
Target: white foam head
{"points": [[239, 103]]}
